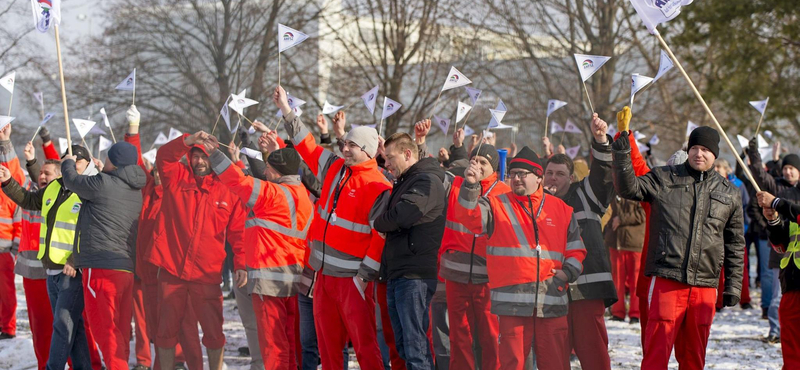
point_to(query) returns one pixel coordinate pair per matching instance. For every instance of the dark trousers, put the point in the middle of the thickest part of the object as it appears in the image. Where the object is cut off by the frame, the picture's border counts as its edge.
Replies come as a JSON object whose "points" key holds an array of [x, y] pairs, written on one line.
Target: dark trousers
{"points": [[409, 310], [69, 333]]}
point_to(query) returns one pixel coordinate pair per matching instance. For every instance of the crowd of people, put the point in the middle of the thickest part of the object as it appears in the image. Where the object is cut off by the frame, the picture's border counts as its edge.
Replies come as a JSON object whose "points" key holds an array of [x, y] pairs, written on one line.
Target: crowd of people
{"points": [[472, 263]]}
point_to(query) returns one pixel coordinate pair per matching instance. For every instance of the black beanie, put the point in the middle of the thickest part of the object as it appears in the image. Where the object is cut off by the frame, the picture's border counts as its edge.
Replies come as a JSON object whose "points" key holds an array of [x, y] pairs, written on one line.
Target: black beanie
{"points": [[791, 160], [707, 137], [123, 154], [286, 161], [489, 152], [80, 153], [527, 159]]}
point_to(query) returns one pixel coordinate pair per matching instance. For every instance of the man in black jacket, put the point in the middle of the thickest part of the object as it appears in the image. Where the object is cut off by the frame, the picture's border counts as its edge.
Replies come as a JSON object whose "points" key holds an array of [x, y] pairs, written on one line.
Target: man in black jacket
{"points": [[414, 224], [696, 228]]}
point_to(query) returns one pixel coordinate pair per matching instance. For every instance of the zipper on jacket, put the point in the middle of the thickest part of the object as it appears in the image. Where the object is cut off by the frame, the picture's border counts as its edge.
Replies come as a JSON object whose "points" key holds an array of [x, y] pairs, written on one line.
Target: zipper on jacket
{"points": [[336, 193]]}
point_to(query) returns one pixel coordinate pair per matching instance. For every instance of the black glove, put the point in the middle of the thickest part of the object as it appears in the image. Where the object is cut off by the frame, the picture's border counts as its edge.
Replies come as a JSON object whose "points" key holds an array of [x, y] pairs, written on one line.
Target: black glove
{"points": [[729, 300], [244, 137], [752, 145], [44, 134], [622, 144]]}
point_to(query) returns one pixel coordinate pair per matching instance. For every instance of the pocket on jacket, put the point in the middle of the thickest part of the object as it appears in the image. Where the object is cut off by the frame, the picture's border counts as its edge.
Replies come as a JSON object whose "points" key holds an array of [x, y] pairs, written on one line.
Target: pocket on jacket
{"points": [[670, 252], [718, 209]]}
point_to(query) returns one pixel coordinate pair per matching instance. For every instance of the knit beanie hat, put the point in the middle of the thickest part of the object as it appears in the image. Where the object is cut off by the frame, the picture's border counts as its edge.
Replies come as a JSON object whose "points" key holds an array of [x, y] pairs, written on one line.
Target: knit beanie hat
{"points": [[791, 160], [489, 152], [707, 137], [286, 161], [366, 138], [527, 159], [123, 154], [80, 153]]}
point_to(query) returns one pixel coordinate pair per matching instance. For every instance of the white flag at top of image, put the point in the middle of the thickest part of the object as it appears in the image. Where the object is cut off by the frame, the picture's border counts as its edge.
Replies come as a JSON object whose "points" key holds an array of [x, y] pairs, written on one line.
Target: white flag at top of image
{"points": [[760, 105], [589, 64], [129, 83], [289, 37], [655, 12], [370, 98], [389, 107], [7, 82], [554, 105], [455, 79]]}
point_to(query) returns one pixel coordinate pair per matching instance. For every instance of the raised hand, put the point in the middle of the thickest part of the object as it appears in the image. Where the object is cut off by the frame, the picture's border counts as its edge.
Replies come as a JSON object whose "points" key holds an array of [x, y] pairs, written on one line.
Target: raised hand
{"points": [[322, 123], [421, 129], [30, 151], [260, 126], [233, 150], [196, 138], [599, 129], [133, 116], [339, 120], [624, 119], [472, 174], [458, 138], [444, 156], [281, 100], [5, 133], [5, 174]]}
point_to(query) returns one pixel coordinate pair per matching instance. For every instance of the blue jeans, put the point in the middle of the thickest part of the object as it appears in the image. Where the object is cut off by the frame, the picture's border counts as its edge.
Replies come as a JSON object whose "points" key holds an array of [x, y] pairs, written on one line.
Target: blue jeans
{"points": [[766, 273], [772, 314], [409, 309], [69, 332], [308, 335]]}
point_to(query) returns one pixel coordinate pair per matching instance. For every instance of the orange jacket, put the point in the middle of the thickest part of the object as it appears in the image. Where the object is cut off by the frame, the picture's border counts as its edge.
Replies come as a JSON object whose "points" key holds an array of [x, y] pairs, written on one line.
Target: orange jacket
{"points": [[10, 216]]}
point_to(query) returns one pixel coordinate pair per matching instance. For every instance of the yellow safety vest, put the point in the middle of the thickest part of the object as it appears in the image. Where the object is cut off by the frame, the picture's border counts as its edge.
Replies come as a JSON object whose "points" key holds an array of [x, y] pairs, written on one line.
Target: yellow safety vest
{"points": [[793, 250], [62, 236]]}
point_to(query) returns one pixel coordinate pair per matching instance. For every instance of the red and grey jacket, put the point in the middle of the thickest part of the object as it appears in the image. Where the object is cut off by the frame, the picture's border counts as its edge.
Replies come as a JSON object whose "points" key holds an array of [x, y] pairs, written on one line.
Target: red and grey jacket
{"points": [[10, 216]]}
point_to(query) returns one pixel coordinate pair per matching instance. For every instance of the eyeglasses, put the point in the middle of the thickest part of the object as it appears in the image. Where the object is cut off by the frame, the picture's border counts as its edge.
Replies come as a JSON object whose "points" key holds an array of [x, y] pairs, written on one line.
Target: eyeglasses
{"points": [[519, 174]]}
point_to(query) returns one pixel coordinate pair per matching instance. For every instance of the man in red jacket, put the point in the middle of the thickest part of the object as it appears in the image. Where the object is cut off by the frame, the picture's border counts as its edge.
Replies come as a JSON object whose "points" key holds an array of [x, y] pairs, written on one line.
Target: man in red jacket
{"points": [[199, 214]]}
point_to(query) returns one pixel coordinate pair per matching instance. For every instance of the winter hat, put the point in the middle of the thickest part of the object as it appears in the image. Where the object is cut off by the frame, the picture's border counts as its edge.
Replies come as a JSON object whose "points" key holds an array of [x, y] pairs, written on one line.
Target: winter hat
{"points": [[286, 161], [677, 158], [791, 160], [366, 138], [527, 159], [707, 137], [80, 153], [489, 152], [123, 154]]}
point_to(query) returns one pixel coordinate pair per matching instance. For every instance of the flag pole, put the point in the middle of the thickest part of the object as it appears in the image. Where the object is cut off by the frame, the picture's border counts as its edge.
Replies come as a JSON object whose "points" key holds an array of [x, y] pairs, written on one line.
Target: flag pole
{"points": [[546, 124], [215, 123], [380, 128], [10, 101], [759, 121], [436, 103], [707, 109], [588, 99], [63, 91], [112, 133], [36, 133], [279, 68]]}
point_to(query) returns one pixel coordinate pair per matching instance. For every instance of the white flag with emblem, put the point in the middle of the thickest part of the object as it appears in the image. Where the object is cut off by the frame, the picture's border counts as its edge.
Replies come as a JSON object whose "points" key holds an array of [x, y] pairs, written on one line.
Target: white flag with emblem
{"points": [[7, 81], [174, 134], [83, 126], [455, 79], [760, 105], [46, 118], [46, 13], [665, 65], [468, 131], [4, 121], [161, 139], [554, 105], [443, 123], [555, 127], [252, 153], [63, 144], [690, 127], [103, 144], [328, 108], [638, 82], [105, 117], [150, 155], [225, 112], [474, 94], [589, 64], [239, 102], [370, 98], [39, 96], [389, 107], [497, 119], [655, 12], [573, 152], [654, 140], [462, 111], [129, 83], [761, 142], [289, 37], [572, 128]]}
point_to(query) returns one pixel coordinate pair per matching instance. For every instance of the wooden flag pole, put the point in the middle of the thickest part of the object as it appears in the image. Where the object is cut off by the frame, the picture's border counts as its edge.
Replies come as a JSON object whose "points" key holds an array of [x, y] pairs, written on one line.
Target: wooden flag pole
{"points": [[588, 99], [10, 101], [63, 91], [215, 123], [380, 128], [757, 127], [546, 125], [36, 133], [112, 134], [436, 103], [279, 68], [708, 110], [134, 89]]}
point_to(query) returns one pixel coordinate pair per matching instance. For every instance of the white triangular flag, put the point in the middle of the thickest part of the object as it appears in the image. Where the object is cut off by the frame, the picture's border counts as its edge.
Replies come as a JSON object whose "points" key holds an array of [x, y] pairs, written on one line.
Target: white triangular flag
{"points": [[555, 127], [455, 79], [5, 120], [638, 82], [389, 107], [96, 130], [252, 153], [663, 66], [370, 98], [238, 103], [150, 155], [462, 111], [638, 135], [589, 64], [497, 119], [328, 108], [174, 134], [161, 139], [233, 129], [572, 128], [129, 83], [289, 37], [83, 126], [655, 12], [103, 144], [474, 94], [46, 13], [573, 152], [39, 96], [7, 81], [690, 127], [251, 130], [105, 117], [63, 144], [760, 105], [768, 133], [743, 142], [225, 112], [468, 131], [46, 118], [761, 142], [294, 102], [654, 140], [443, 123], [494, 123], [554, 105]]}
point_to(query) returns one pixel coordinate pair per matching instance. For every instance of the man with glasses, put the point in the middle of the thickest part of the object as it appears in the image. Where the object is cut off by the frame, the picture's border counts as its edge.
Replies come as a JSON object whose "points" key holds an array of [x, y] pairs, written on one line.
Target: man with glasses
{"points": [[534, 249]]}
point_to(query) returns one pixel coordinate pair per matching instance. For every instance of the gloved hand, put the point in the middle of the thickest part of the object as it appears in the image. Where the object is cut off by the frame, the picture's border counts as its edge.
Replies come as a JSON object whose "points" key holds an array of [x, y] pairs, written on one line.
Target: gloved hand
{"points": [[622, 144], [624, 119], [44, 134], [133, 116], [244, 137], [729, 300], [752, 145]]}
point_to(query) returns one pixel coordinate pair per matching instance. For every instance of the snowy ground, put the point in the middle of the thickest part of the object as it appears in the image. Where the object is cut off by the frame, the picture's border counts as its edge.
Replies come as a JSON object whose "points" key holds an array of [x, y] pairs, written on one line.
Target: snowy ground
{"points": [[734, 342]]}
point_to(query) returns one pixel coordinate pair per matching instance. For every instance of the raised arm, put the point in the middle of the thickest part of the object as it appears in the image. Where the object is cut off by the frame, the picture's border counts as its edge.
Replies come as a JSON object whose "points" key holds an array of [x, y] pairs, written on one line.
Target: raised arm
{"points": [[85, 186], [599, 182], [474, 211], [626, 183]]}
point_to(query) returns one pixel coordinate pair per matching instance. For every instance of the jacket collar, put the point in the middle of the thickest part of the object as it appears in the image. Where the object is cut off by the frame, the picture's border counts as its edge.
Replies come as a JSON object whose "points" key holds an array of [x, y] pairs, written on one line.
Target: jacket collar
{"points": [[535, 198], [697, 175], [488, 181], [370, 164], [289, 180]]}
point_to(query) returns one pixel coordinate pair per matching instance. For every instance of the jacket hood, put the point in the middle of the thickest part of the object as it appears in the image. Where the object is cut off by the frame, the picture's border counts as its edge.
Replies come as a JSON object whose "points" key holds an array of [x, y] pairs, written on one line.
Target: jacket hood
{"points": [[426, 165], [132, 175]]}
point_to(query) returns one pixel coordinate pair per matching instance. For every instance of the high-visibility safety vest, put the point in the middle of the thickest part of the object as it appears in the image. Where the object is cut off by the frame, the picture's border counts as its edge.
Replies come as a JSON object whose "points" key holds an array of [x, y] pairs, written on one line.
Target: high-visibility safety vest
{"points": [[62, 236], [793, 250]]}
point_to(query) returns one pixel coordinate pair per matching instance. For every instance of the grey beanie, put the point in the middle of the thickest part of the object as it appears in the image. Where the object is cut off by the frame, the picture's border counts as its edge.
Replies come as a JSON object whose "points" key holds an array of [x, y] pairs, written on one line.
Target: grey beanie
{"points": [[366, 138]]}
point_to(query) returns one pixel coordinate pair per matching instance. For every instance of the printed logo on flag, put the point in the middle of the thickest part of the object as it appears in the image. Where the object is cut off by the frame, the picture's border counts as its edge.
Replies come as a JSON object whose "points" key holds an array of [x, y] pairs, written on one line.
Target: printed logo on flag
{"points": [[390, 106], [454, 78], [288, 36], [129, 81], [45, 20], [371, 96], [588, 63]]}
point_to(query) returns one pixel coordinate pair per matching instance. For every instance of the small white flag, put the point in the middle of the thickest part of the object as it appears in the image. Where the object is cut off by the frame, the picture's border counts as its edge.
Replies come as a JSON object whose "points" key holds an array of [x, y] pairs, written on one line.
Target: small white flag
{"points": [[572, 128], [297, 112], [555, 128], [129, 83], [664, 66], [46, 118], [328, 108], [63, 144], [289, 37], [468, 131], [638, 135], [760, 105], [370, 98], [655, 12], [161, 139], [104, 143], [105, 117], [642, 148], [654, 140], [174, 134], [7, 81], [4, 121], [761, 142], [573, 152], [743, 142], [690, 127], [39, 96], [589, 64], [462, 111], [389, 107], [150, 155], [251, 130], [638, 82], [252, 153], [294, 104], [238, 102], [83, 126], [554, 105], [497, 119], [474, 94], [494, 123], [46, 13], [455, 79], [225, 112], [768, 133], [443, 123]]}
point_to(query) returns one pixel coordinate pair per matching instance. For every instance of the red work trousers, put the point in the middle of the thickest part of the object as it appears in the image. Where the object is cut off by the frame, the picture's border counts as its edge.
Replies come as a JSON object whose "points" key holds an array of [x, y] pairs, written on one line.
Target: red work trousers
{"points": [[469, 313], [678, 310], [641, 295], [108, 298], [789, 316], [40, 317], [626, 271], [8, 295], [388, 332], [549, 337], [340, 313], [275, 317], [588, 335], [142, 346], [175, 296]]}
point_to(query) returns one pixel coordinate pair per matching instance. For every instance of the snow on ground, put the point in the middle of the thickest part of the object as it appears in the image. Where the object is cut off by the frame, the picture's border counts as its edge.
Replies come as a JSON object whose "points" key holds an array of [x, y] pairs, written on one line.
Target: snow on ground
{"points": [[734, 343]]}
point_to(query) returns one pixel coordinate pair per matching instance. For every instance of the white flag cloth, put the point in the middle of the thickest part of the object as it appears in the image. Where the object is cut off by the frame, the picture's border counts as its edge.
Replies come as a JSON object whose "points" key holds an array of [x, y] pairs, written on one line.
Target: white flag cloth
{"points": [[389, 107], [353, 125], [97, 130], [328, 108], [39, 96], [63, 144], [638, 135], [655, 12], [225, 112], [46, 13], [760, 105], [768, 133], [642, 148], [638, 82], [589, 64], [251, 130], [174, 134], [487, 134], [495, 123], [294, 102], [761, 142], [455, 79], [468, 131], [573, 152], [654, 140], [150, 155], [129, 83], [5, 120], [252, 153], [663, 66], [443, 123], [297, 112], [612, 130], [497, 119], [46, 118], [690, 127], [83, 126], [161, 139], [238, 102], [571, 128], [7, 81], [743, 142], [554, 105], [289, 37], [555, 127], [462, 111], [370, 98], [474, 94], [105, 117], [103, 144]]}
